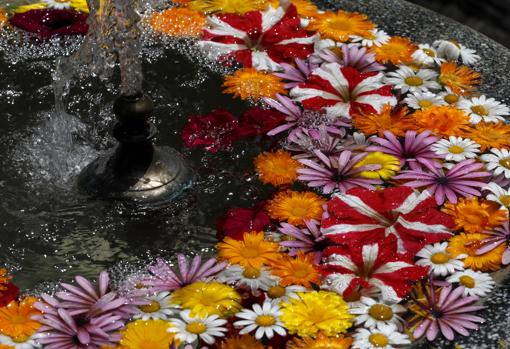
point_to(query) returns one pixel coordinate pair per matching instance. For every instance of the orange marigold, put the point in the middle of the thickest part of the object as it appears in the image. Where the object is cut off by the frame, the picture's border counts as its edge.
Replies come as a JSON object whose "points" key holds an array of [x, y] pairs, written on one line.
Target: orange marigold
{"points": [[489, 135], [441, 120], [241, 342], [249, 83], [475, 216], [341, 25], [276, 168], [178, 21], [395, 120], [460, 79], [397, 50], [468, 244], [320, 342], [16, 318], [298, 270], [3, 17], [294, 207], [305, 8]]}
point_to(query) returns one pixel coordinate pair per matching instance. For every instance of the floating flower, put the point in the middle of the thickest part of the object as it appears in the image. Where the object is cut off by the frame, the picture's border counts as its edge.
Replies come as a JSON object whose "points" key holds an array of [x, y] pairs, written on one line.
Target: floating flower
{"points": [[453, 51], [315, 312], [7, 342], [191, 328], [383, 336], [257, 122], [261, 40], [366, 215], [395, 120], [500, 236], [371, 313], [470, 244], [277, 168], [423, 100], [456, 148], [152, 334], [445, 311], [249, 83], [78, 5], [376, 265], [377, 37], [475, 216], [295, 207], [463, 179], [227, 6], [262, 318], [475, 283], [498, 161], [238, 342], [353, 56], [320, 342], [280, 293], [239, 220], [253, 251], [388, 165], [297, 73], [158, 307], [460, 79], [406, 79], [178, 21], [439, 261], [252, 278], [449, 97], [343, 91], [299, 270], [16, 319], [498, 194], [341, 25], [484, 109], [441, 120], [397, 50], [307, 240], [47, 23], [489, 135], [207, 298], [427, 56]]}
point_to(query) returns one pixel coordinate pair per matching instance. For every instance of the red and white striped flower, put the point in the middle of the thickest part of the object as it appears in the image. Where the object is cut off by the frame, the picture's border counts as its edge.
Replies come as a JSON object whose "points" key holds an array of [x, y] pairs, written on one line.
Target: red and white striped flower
{"points": [[258, 39], [357, 266], [343, 91], [367, 215]]}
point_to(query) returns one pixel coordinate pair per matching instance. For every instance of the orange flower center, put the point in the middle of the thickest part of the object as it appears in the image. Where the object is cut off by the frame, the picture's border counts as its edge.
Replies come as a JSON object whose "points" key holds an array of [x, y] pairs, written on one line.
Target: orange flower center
{"points": [[505, 162], [298, 211], [505, 200], [413, 81], [300, 273], [251, 273], [19, 339], [455, 149], [378, 340], [152, 307], [341, 24], [380, 312], [249, 252], [439, 258], [480, 110], [451, 98], [424, 103], [276, 292], [265, 320], [467, 281], [471, 247], [196, 327]]}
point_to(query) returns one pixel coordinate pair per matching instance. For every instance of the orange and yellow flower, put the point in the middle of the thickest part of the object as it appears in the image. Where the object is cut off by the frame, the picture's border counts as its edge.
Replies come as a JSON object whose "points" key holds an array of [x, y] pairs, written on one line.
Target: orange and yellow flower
{"points": [[468, 244], [475, 216], [178, 21], [320, 342], [241, 342], [3, 17], [276, 168], [16, 318], [305, 8], [298, 270], [396, 121], [252, 252], [228, 6], [294, 207], [441, 120], [460, 79], [249, 83], [341, 25], [489, 135], [397, 50]]}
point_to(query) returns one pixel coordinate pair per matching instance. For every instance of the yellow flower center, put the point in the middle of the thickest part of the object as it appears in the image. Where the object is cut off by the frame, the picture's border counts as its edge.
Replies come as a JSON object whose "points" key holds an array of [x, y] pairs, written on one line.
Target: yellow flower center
{"points": [[62, 1], [505, 200], [480, 110], [451, 98], [378, 340], [19, 339], [505, 162], [413, 81], [300, 273], [139, 285], [467, 281], [276, 292], [439, 258], [429, 52], [455, 149], [298, 211], [249, 252], [341, 24], [196, 327], [265, 320], [152, 307], [251, 273], [424, 103], [380, 312]]}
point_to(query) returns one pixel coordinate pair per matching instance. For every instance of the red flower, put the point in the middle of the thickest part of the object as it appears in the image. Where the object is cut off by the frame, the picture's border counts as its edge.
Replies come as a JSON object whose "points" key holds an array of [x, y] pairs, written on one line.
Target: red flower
{"points": [[367, 266], [256, 122], [239, 220], [8, 294], [214, 131], [47, 23], [367, 215]]}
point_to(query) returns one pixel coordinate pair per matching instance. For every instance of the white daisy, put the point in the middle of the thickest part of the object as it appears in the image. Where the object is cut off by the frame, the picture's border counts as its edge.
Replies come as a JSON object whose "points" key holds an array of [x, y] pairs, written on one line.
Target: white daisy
{"points": [[265, 319], [475, 283], [253, 278], [498, 161], [158, 307], [440, 262], [423, 100], [407, 79], [379, 37], [498, 194], [279, 293], [28, 343], [427, 55], [454, 51], [456, 148], [483, 109], [58, 4], [382, 337], [449, 97], [372, 313], [190, 328]]}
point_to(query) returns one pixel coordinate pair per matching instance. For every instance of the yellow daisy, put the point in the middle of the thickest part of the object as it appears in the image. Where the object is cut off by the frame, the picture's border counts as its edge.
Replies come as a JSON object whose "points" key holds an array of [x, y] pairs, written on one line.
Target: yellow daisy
{"points": [[390, 165], [208, 298], [397, 51], [227, 6], [16, 318], [241, 342], [276, 168], [249, 83], [252, 252], [178, 21], [314, 312], [460, 79], [298, 270], [468, 244], [294, 207], [341, 25], [151, 334], [321, 342]]}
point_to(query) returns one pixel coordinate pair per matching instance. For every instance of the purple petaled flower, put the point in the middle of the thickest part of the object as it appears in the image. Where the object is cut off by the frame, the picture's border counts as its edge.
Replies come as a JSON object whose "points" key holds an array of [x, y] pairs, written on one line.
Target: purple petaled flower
{"points": [[498, 236], [305, 142], [353, 56], [296, 74], [500, 180], [416, 148], [164, 278], [308, 240], [448, 311], [463, 179], [336, 173]]}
